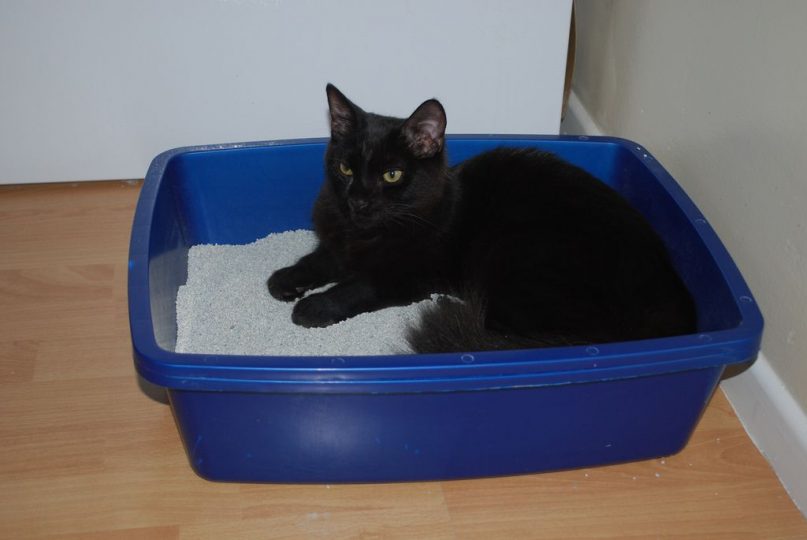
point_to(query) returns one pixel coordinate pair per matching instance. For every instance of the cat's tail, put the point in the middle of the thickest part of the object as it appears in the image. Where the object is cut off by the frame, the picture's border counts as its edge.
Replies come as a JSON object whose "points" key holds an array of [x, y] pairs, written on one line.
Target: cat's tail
{"points": [[452, 325]]}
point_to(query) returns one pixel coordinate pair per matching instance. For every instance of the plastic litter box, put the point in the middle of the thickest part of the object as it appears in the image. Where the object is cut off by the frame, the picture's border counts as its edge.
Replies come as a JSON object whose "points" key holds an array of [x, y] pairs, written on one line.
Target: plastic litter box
{"points": [[420, 417]]}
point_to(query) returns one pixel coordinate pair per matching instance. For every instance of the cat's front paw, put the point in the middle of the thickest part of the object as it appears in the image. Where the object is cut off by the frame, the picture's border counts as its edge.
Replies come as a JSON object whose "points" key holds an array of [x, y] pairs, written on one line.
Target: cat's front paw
{"points": [[286, 285], [316, 311]]}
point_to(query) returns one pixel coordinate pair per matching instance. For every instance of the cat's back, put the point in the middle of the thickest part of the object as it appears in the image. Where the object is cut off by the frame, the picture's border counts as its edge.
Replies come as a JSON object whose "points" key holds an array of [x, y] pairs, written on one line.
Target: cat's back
{"points": [[539, 231], [518, 186]]}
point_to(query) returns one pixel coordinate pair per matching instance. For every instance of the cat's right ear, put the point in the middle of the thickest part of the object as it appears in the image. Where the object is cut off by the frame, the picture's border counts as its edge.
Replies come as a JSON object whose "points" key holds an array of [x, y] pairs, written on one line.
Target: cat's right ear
{"points": [[343, 113], [425, 130]]}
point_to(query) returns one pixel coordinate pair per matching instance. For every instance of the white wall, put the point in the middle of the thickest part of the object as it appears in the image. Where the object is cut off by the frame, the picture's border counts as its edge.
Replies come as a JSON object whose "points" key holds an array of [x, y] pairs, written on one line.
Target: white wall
{"points": [[93, 89], [718, 92]]}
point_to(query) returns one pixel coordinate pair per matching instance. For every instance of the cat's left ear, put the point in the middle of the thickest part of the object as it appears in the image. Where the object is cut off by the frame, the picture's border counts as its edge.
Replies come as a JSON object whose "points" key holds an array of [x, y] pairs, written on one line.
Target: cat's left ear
{"points": [[425, 130], [343, 113]]}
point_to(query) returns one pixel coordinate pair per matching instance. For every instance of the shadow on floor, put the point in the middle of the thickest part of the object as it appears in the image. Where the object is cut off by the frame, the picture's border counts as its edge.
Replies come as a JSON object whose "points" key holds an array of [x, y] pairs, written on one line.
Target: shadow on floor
{"points": [[152, 391]]}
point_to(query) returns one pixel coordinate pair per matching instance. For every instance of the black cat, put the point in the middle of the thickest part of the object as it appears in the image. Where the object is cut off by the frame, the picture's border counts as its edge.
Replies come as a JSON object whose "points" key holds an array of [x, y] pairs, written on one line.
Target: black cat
{"points": [[540, 252]]}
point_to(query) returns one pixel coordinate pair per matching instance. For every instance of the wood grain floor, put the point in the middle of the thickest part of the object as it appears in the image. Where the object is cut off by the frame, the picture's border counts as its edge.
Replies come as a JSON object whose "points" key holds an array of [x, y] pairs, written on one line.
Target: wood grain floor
{"points": [[84, 453]]}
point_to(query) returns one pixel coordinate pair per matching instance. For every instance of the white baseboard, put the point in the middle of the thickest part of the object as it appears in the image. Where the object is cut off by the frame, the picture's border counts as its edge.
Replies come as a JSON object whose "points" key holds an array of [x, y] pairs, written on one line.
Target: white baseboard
{"points": [[769, 413], [775, 422]]}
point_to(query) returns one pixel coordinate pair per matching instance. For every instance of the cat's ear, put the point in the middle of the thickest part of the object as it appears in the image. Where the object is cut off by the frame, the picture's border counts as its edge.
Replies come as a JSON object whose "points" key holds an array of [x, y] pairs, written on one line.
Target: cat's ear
{"points": [[425, 130], [344, 114]]}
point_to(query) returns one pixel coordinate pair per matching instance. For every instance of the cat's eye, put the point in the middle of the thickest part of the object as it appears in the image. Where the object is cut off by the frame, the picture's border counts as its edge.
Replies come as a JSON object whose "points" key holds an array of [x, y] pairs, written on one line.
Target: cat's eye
{"points": [[392, 176], [344, 169]]}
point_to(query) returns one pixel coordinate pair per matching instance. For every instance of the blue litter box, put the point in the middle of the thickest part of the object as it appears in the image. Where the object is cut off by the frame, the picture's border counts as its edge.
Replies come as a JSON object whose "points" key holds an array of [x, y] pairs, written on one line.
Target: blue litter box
{"points": [[420, 417]]}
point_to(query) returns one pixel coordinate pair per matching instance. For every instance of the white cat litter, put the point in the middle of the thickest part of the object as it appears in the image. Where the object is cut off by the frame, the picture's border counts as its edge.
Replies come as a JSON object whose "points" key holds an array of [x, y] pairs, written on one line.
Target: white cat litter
{"points": [[225, 307]]}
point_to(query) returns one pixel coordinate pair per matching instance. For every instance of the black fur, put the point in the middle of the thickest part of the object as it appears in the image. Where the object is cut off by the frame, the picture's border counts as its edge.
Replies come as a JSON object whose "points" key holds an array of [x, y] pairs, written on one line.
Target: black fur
{"points": [[541, 253]]}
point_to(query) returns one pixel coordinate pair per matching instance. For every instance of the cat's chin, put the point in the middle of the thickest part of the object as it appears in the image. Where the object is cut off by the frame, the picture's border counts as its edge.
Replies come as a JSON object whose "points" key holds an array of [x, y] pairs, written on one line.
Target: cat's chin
{"points": [[365, 223]]}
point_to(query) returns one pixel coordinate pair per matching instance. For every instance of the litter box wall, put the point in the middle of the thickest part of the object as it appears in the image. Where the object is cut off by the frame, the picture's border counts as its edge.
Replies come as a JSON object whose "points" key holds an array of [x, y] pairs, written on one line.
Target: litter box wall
{"points": [[416, 417], [434, 435]]}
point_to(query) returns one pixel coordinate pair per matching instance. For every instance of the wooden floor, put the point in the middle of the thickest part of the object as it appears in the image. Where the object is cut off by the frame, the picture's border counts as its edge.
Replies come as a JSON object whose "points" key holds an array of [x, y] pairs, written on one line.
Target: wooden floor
{"points": [[84, 453]]}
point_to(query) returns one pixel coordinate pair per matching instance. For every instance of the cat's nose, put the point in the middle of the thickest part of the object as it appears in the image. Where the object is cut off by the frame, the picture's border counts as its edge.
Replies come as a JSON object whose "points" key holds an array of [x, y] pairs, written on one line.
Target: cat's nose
{"points": [[358, 205]]}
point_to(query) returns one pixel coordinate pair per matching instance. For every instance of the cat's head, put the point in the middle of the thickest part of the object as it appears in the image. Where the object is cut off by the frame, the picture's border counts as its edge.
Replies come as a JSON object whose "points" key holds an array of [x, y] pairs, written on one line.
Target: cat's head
{"points": [[383, 170]]}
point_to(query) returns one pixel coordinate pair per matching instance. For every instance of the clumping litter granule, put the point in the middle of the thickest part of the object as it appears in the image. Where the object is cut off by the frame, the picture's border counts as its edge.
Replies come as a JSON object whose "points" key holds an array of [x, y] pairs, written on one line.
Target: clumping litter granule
{"points": [[225, 307]]}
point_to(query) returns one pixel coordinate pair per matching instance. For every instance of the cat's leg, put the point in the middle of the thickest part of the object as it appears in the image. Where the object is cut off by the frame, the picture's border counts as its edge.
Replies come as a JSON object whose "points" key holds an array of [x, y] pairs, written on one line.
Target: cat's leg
{"points": [[340, 302], [316, 269]]}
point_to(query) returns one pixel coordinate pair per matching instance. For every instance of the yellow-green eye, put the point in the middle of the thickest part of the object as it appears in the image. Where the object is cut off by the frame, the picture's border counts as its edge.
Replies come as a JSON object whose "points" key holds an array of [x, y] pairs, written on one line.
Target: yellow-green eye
{"points": [[344, 169], [392, 176]]}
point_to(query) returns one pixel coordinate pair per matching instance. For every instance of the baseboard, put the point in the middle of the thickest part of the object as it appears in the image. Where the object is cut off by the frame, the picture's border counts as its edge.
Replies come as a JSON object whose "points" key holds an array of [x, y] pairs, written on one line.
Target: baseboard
{"points": [[769, 413], [775, 422]]}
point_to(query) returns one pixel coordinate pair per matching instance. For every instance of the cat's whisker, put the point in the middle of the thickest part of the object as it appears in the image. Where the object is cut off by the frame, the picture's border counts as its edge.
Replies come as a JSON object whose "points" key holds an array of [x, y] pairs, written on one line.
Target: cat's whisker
{"points": [[398, 211], [408, 219]]}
